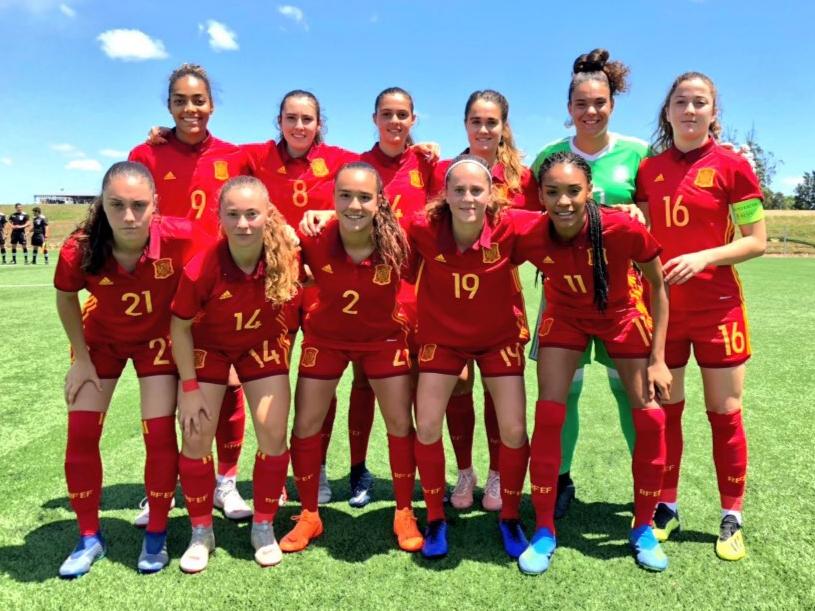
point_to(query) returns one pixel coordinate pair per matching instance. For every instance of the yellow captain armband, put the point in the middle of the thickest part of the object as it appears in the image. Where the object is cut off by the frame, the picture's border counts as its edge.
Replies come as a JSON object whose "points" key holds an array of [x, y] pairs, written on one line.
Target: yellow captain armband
{"points": [[747, 212]]}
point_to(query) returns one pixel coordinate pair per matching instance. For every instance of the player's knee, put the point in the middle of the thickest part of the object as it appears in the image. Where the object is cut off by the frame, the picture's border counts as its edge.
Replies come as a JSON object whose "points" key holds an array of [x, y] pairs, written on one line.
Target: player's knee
{"points": [[514, 435], [727, 405]]}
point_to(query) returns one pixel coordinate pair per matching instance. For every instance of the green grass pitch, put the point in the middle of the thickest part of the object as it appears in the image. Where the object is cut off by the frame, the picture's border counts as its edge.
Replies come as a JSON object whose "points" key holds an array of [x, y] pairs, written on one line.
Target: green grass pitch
{"points": [[356, 564]]}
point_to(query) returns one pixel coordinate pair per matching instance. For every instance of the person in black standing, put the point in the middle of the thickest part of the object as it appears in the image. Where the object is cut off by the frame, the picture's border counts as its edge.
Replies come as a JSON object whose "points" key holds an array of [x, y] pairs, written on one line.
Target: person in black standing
{"points": [[39, 235], [3, 221], [19, 223]]}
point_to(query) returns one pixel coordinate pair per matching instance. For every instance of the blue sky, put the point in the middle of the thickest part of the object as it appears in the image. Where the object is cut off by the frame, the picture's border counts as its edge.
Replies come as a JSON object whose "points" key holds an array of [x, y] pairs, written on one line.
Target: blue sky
{"points": [[81, 81]]}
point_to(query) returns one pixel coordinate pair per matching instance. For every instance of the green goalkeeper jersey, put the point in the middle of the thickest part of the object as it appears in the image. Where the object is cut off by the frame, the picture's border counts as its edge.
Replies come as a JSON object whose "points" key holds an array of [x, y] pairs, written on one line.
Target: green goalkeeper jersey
{"points": [[613, 169]]}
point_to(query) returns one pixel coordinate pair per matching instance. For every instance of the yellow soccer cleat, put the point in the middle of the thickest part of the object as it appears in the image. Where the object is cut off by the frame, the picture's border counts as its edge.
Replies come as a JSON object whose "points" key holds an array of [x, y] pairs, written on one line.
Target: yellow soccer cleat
{"points": [[730, 544], [665, 522]]}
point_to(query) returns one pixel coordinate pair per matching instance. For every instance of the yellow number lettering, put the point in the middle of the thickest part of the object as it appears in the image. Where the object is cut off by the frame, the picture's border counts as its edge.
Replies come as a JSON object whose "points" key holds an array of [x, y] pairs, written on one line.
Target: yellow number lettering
{"points": [[252, 323], [349, 307], [512, 352], [267, 355], [466, 282], [401, 357], [575, 282], [676, 215], [395, 206], [198, 202], [734, 340], [135, 300], [299, 197], [159, 344]]}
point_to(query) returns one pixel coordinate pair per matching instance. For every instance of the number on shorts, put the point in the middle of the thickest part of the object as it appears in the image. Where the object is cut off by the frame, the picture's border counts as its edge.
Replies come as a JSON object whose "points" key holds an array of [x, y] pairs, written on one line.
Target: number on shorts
{"points": [[512, 352], [349, 307], [676, 215], [734, 340], [135, 300], [401, 358], [575, 282], [642, 327], [300, 195], [267, 355], [466, 282], [159, 344], [252, 323], [198, 201]]}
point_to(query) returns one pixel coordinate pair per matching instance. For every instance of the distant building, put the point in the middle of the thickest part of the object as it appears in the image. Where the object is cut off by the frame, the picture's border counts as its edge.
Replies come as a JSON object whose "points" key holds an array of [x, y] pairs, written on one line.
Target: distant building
{"points": [[63, 198]]}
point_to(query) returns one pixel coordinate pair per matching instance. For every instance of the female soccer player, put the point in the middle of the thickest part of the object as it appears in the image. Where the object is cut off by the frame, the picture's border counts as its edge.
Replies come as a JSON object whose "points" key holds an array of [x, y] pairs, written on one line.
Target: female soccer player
{"points": [[613, 160], [469, 308], [39, 235], [694, 193], [486, 119], [229, 312], [356, 262], [189, 170], [586, 253], [130, 262]]}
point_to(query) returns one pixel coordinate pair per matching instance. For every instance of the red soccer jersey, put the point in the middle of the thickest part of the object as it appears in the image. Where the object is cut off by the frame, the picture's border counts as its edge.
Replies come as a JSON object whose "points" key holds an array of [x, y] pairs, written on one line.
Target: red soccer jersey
{"points": [[470, 300], [297, 184], [130, 307], [689, 196], [189, 177], [526, 197], [568, 266], [407, 180], [229, 306], [356, 307]]}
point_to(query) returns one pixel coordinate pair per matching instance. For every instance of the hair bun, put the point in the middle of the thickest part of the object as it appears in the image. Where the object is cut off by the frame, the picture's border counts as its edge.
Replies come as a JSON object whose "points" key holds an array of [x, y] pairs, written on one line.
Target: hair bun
{"points": [[593, 61]]}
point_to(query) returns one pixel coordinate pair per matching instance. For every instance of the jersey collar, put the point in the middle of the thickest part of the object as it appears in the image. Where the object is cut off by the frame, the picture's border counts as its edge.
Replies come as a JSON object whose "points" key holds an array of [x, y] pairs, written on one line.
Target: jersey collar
{"points": [[386, 160], [190, 148], [337, 248], [695, 154], [612, 141], [447, 243], [230, 269], [287, 159]]}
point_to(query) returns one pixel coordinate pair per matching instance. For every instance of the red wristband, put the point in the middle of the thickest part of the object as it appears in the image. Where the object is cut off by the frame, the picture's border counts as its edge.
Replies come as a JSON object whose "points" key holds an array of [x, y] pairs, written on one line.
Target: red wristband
{"points": [[189, 385]]}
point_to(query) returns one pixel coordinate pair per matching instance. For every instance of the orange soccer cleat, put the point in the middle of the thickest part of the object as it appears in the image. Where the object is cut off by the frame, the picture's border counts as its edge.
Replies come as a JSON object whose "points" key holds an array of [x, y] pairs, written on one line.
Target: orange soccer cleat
{"points": [[309, 526], [406, 531]]}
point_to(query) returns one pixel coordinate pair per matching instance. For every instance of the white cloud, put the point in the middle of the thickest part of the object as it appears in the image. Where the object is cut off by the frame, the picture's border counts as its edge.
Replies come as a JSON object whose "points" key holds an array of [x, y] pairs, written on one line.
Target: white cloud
{"points": [[6, 160], [69, 150], [113, 154], [131, 45], [792, 181], [84, 165], [221, 38], [294, 13], [67, 11]]}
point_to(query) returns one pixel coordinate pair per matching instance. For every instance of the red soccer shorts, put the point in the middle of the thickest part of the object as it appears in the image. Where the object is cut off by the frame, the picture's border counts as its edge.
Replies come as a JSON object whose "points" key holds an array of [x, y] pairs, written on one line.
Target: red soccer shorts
{"points": [[267, 358], [720, 338], [626, 335], [151, 359], [328, 363], [507, 360]]}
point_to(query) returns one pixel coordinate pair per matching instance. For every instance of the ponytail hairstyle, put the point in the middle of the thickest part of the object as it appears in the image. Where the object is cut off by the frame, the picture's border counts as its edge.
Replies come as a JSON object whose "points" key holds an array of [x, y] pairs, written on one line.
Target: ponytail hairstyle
{"points": [[438, 206], [302, 93], [594, 66], [663, 137], [390, 241], [508, 153], [94, 235], [189, 70], [279, 245], [396, 91], [594, 236]]}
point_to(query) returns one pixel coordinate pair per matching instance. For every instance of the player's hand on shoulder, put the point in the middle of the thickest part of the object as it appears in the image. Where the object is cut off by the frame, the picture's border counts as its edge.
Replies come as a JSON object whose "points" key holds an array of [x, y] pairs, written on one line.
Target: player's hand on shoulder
{"points": [[431, 151], [158, 134], [633, 211], [80, 373], [314, 221], [684, 267]]}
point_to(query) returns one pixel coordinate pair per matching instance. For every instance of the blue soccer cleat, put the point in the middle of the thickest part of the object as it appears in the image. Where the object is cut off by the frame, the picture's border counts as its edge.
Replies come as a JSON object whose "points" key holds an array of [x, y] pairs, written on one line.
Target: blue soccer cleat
{"points": [[513, 537], [153, 556], [435, 539], [536, 558], [362, 484], [647, 550], [89, 549]]}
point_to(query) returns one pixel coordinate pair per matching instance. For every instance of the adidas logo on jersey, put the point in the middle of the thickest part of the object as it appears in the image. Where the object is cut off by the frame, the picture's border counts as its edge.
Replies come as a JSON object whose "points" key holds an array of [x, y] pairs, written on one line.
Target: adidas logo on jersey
{"points": [[169, 175], [548, 259], [225, 295], [659, 178], [106, 282], [281, 170], [327, 269], [440, 259]]}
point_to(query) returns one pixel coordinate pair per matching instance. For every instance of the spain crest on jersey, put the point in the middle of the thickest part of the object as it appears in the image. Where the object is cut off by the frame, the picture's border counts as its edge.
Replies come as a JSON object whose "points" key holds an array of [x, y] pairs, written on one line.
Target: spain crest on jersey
{"points": [[309, 357], [427, 353], [382, 274], [199, 358], [162, 269], [221, 170], [416, 179], [704, 178], [319, 167], [491, 254]]}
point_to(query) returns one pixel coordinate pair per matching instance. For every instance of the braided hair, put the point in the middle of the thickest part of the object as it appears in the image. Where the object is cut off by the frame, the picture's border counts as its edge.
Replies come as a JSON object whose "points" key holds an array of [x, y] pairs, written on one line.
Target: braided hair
{"points": [[594, 236]]}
